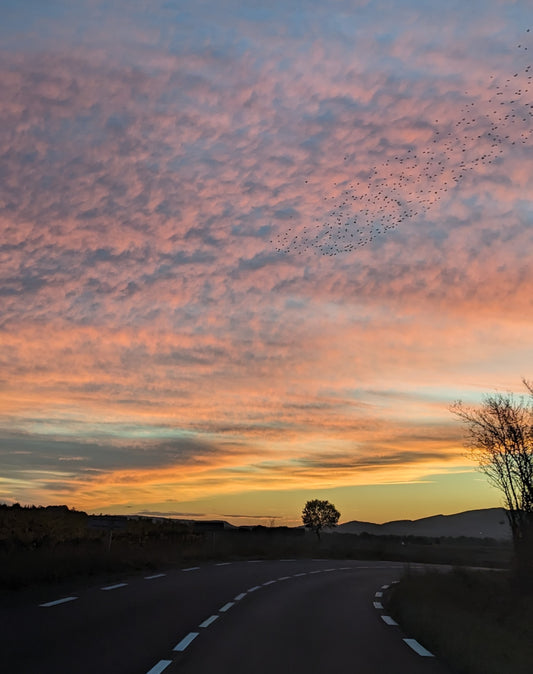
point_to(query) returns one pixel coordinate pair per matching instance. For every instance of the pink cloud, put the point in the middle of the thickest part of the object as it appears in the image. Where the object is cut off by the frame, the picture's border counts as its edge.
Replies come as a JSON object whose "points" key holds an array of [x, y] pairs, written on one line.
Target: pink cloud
{"points": [[139, 284]]}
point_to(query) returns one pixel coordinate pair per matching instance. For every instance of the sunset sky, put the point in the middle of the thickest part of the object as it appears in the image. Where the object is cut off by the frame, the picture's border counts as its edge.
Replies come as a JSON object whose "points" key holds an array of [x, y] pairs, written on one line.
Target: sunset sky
{"points": [[251, 252]]}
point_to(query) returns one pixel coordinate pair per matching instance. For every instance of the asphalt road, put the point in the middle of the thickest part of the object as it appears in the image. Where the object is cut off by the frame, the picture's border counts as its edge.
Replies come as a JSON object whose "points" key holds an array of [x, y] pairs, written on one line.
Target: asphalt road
{"points": [[305, 616]]}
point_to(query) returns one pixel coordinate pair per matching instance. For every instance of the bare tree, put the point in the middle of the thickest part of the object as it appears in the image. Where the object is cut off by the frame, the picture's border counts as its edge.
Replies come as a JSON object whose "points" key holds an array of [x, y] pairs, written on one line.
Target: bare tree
{"points": [[319, 514], [500, 438]]}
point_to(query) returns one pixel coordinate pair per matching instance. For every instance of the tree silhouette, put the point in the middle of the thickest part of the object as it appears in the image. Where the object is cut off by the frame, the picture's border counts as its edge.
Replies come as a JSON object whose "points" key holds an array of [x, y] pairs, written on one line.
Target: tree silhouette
{"points": [[319, 514], [500, 438]]}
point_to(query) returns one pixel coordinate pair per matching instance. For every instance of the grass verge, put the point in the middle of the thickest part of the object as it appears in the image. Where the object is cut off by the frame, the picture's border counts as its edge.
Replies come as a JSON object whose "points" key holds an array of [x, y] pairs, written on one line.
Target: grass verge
{"points": [[478, 622]]}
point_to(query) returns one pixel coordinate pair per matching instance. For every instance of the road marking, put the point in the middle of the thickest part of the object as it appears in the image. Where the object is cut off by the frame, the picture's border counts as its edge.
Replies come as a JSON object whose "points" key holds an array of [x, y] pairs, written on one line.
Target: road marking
{"points": [[345, 568], [378, 594], [297, 575], [157, 575], [270, 582], [385, 587], [240, 596], [192, 568], [161, 665], [326, 570], [209, 621], [58, 601], [114, 587], [387, 619], [284, 578], [413, 643], [319, 571], [378, 604], [254, 561], [186, 641], [223, 564], [287, 560], [226, 607], [254, 588]]}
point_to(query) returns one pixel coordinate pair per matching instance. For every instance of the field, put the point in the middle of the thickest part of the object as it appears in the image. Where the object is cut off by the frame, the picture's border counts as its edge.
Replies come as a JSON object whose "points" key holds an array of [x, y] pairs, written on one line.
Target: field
{"points": [[479, 622], [43, 544]]}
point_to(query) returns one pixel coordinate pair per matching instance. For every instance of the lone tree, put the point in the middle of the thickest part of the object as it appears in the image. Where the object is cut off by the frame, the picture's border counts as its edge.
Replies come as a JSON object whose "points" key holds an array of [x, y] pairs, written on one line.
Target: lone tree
{"points": [[500, 438], [319, 514]]}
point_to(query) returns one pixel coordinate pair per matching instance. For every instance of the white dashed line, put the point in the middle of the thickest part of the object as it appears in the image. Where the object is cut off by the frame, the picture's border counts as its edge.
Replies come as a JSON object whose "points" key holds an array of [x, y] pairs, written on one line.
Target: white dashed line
{"points": [[161, 665], [157, 575], [192, 568], [254, 588], [284, 578], [377, 604], [345, 568], [223, 564], [227, 607], [240, 596], [57, 602], [385, 587], [387, 619], [313, 572], [186, 641], [297, 575], [255, 561], [270, 582], [209, 621], [378, 594], [114, 587], [287, 560], [413, 643]]}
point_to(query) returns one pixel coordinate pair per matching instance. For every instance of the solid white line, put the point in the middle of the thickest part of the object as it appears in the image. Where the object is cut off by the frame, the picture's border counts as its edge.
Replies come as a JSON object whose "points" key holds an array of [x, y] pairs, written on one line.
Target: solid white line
{"points": [[209, 621], [223, 564], [226, 607], [284, 578], [58, 601], [387, 619], [254, 588], [161, 665], [185, 641], [240, 596], [377, 604], [192, 568], [297, 575], [413, 643], [378, 594], [114, 587], [270, 582], [157, 575]]}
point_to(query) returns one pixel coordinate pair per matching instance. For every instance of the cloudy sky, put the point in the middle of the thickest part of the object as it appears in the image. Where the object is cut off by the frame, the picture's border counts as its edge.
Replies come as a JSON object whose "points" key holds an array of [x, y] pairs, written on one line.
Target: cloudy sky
{"points": [[251, 252]]}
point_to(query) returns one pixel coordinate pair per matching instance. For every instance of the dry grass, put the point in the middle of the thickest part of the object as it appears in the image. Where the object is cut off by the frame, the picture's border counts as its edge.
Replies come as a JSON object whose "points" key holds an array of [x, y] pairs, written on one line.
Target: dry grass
{"points": [[478, 622]]}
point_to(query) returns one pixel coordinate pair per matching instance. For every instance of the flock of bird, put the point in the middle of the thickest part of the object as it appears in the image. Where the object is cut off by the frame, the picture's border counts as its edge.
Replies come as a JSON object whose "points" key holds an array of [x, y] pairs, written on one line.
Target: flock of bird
{"points": [[407, 185]]}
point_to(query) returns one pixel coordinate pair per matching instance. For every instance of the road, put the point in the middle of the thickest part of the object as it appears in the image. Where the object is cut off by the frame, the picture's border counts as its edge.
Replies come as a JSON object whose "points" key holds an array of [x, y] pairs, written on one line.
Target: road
{"points": [[305, 616]]}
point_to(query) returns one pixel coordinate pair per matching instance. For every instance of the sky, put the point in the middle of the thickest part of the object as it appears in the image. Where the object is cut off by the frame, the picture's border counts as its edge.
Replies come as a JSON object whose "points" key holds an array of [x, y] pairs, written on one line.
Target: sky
{"points": [[250, 253]]}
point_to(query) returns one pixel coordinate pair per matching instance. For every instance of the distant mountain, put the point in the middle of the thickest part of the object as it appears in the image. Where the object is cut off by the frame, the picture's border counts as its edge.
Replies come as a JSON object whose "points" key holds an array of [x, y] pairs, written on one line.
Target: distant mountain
{"points": [[488, 523]]}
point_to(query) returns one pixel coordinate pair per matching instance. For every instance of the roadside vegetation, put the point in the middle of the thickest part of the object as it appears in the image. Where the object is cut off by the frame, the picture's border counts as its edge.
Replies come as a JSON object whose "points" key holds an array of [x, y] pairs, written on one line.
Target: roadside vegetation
{"points": [[479, 622], [39, 544]]}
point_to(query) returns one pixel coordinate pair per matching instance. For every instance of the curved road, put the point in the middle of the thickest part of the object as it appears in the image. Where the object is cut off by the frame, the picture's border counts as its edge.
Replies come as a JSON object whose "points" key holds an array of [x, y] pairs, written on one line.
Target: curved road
{"points": [[304, 616]]}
